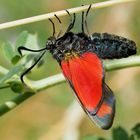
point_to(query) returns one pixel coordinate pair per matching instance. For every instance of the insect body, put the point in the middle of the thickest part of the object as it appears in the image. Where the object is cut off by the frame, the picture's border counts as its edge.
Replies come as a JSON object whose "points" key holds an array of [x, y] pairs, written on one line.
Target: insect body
{"points": [[80, 58]]}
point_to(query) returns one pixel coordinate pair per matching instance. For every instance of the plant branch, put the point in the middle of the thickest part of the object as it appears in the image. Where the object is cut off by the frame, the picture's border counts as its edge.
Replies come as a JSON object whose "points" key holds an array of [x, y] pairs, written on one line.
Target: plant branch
{"points": [[61, 13], [115, 64], [9, 105], [108, 64], [59, 78]]}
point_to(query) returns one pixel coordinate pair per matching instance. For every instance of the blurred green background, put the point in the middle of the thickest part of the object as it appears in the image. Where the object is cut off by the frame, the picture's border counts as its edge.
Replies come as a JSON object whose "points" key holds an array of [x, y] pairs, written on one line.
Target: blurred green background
{"points": [[43, 116]]}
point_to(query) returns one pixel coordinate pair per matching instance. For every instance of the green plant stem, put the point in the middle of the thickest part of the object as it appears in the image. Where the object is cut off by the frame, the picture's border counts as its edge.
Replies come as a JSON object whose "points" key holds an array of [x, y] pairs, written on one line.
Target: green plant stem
{"points": [[9, 105], [115, 64], [59, 78], [46, 82], [61, 13], [108, 64]]}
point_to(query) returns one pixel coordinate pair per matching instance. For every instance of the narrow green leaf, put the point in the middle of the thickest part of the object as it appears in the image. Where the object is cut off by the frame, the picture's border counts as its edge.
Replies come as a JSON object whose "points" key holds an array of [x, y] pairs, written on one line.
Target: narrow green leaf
{"points": [[13, 71], [22, 39], [32, 41], [8, 51], [15, 59]]}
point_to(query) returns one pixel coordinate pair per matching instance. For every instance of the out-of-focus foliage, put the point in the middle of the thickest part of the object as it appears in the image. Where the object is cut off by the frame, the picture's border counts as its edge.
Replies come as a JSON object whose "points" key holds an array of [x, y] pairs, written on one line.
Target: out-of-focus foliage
{"points": [[119, 133], [11, 79]]}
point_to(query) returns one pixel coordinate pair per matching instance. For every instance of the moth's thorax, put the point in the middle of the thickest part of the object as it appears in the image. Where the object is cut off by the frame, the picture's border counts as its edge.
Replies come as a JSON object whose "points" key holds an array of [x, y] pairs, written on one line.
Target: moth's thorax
{"points": [[71, 55], [68, 46]]}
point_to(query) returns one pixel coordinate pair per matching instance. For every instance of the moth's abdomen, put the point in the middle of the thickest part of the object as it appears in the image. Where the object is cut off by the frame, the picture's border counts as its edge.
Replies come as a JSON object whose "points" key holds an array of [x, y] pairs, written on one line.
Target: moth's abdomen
{"points": [[112, 46]]}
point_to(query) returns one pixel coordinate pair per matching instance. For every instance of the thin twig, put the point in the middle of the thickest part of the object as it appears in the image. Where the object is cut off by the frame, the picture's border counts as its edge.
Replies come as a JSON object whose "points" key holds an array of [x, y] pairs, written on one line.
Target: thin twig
{"points": [[115, 64], [109, 66], [61, 13], [9, 105]]}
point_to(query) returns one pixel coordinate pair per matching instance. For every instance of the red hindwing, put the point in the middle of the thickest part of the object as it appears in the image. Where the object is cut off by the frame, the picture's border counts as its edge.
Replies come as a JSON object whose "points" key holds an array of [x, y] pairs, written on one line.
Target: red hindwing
{"points": [[86, 76]]}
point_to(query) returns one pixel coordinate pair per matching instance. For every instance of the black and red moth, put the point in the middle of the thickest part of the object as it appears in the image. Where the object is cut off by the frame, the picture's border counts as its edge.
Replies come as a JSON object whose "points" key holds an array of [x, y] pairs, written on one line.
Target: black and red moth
{"points": [[80, 58]]}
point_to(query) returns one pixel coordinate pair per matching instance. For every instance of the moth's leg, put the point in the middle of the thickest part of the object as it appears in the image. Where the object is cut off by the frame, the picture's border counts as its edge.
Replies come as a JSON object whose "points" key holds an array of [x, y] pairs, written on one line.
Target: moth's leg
{"points": [[71, 25]]}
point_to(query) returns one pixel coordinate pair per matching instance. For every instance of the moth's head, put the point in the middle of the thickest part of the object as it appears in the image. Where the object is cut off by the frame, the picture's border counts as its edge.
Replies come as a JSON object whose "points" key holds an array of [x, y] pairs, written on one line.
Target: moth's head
{"points": [[60, 42], [67, 46], [50, 43]]}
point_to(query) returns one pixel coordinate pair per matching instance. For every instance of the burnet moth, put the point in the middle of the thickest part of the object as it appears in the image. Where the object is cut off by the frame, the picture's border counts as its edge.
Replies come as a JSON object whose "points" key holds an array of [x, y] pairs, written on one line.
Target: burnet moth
{"points": [[80, 58]]}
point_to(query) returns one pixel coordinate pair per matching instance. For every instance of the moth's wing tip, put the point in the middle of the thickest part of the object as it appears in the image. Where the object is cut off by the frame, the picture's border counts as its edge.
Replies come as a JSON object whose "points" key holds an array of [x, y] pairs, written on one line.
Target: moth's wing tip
{"points": [[105, 114]]}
